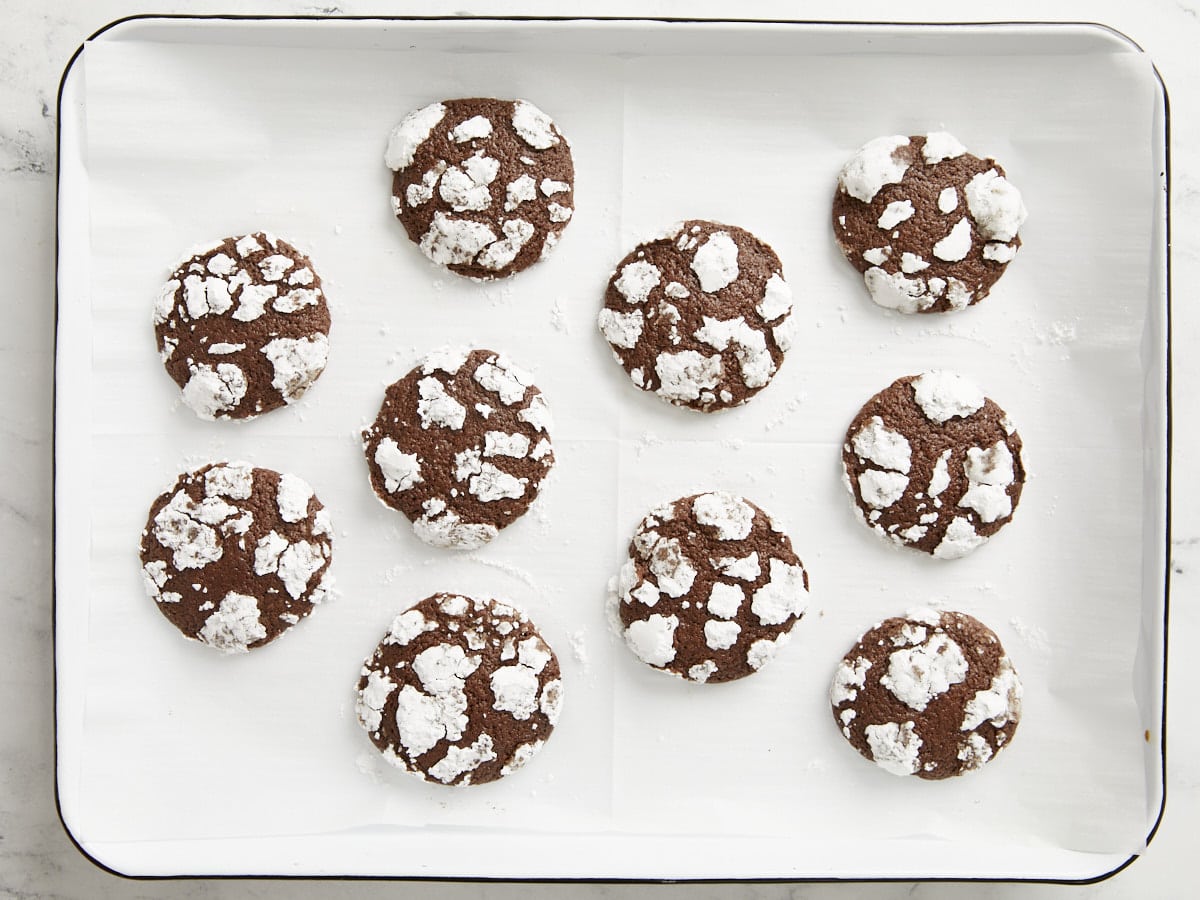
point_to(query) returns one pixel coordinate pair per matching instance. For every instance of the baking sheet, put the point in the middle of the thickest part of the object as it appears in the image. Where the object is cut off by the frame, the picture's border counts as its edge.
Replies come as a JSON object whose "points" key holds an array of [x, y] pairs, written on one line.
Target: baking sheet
{"points": [[174, 759]]}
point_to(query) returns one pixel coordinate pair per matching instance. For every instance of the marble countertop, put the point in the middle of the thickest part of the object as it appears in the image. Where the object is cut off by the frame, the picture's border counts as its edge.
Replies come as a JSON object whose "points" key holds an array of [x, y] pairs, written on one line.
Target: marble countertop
{"points": [[37, 858]]}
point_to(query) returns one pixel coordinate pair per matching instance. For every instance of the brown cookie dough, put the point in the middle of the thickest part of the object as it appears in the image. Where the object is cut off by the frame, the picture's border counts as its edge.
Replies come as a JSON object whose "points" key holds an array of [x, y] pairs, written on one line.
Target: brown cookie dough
{"points": [[933, 464], [931, 694], [243, 327], [460, 690], [711, 589], [460, 446], [484, 187], [930, 226], [236, 555], [699, 316]]}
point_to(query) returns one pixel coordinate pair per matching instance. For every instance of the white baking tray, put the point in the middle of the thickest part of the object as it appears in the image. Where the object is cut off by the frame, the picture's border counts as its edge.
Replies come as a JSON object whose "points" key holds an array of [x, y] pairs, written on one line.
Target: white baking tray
{"points": [[175, 760]]}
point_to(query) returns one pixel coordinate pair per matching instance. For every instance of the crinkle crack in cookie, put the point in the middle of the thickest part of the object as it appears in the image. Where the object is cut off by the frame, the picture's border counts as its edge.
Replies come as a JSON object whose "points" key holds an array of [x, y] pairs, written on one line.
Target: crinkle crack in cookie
{"points": [[460, 446], [236, 555], [460, 690], [933, 464], [243, 326], [931, 694], [484, 187], [711, 589], [930, 226], [699, 316]]}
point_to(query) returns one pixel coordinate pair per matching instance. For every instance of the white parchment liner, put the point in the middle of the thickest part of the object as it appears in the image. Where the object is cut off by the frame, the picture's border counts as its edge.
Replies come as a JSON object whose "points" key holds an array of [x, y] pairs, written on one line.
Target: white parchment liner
{"points": [[186, 142]]}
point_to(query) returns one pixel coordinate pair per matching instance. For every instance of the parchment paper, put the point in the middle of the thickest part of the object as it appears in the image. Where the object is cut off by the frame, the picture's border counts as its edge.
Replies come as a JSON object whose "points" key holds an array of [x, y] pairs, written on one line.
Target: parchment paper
{"points": [[190, 141]]}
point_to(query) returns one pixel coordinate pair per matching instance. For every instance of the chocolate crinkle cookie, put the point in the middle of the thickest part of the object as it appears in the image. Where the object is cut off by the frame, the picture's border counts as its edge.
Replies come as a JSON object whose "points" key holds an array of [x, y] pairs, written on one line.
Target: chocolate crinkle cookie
{"points": [[933, 464], [484, 187], [930, 694], [235, 555], [243, 327], [930, 227], [711, 589], [699, 316], [460, 446], [460, 690]]}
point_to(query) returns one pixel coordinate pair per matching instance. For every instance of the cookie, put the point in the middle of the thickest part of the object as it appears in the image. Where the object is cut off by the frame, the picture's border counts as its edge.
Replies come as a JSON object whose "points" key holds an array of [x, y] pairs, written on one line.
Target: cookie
{"points": [[243, 327], [460, 446], [699, 316], [930, 227], [711, 588], [460, 690], [933, 464], [484, 187], [235, 555], [930, 694]]}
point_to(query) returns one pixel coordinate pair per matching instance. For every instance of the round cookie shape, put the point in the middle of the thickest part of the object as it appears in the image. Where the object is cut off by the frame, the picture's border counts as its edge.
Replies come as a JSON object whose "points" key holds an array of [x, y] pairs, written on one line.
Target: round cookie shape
{"points": [[243, 326], [483, 187], [460, 690], [699, 316], [933, 464], [235, 555], [460, 446], [930, 227], [930, 694], [711, 588]]}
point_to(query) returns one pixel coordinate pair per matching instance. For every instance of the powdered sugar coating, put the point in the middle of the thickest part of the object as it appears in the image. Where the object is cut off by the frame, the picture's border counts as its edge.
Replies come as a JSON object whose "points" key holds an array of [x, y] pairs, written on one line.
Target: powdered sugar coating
{"points": [[932, 464], [930, 693], [873, 166], [896, 228], [234, 555], [460, 446], [228, 306], [710, 589], [699, 315], [466, 184], [460, 691]]}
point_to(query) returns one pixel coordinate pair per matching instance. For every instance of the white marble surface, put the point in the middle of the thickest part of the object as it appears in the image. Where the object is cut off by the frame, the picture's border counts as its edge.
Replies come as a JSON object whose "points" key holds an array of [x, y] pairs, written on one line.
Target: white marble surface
{"points": [[36, 40]]}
